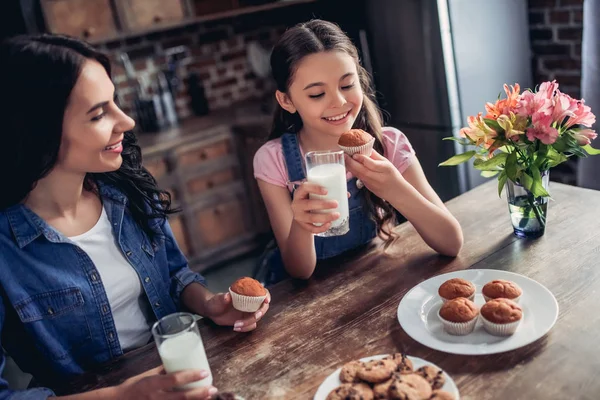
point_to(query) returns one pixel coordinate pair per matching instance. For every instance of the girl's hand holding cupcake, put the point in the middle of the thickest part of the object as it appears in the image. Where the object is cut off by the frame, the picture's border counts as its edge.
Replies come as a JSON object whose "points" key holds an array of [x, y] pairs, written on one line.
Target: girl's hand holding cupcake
{"points": [[376, 172]]}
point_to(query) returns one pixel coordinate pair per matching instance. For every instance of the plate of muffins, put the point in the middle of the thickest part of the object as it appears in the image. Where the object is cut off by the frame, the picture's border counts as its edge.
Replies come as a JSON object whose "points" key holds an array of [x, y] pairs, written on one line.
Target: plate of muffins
{"points": [[395, 376], [478, 311]]}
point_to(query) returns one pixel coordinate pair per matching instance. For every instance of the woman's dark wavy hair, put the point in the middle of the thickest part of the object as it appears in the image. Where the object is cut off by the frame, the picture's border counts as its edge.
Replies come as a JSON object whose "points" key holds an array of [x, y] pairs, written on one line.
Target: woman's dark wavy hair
{"points": [[37, 75], [318, 36]]}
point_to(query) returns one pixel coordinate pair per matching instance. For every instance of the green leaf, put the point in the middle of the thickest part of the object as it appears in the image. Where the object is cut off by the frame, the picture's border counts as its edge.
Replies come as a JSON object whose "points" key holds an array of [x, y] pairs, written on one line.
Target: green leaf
{"points": [[554, 157], [493, 163], [493, 124], [458, 159], [590, 150], [489, 174], [463, 141], [511, 167], [501, 182], [537, 188], [526, 181]]}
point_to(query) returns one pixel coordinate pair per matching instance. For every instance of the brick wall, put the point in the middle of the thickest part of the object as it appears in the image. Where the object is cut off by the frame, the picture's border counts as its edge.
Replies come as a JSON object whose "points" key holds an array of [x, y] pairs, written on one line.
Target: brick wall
{"points": [[218, 56], [555, 28]]}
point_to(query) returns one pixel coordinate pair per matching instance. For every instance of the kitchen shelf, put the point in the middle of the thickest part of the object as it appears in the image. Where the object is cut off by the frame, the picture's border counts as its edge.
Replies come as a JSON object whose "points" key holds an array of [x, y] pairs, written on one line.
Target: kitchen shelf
{"points": [[200, 19]]}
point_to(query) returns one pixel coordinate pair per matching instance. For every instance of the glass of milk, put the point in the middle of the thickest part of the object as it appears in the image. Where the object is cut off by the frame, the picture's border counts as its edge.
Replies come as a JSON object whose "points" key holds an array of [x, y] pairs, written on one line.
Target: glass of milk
{"points": [[327, 169], [180, 346]]}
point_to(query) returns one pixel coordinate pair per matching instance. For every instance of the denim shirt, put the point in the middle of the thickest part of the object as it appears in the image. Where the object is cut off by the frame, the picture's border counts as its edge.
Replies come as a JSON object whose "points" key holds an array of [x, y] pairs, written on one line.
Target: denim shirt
{"points": [[362, 227], [55, 317]]}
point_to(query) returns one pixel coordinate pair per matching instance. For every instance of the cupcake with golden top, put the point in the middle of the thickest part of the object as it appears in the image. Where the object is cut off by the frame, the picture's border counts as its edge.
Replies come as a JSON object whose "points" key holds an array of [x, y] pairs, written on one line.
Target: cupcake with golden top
{"points": [[356, 141], [501, 289], [501, 317], [247, 294], [459, 316]]}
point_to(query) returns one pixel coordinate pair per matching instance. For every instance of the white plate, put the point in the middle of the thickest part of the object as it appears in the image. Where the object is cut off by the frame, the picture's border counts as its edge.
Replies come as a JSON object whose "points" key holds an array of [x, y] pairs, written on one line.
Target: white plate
{"points": [[333, 380], [418, 309]]}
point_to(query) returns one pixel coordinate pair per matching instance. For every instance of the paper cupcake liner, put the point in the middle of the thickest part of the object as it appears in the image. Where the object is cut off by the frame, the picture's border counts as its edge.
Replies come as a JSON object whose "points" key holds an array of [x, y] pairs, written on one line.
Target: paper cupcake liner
{"points": [[516, 299], [471, 297], [246, 303], [365, 149], [500, 329], [458, 328]]}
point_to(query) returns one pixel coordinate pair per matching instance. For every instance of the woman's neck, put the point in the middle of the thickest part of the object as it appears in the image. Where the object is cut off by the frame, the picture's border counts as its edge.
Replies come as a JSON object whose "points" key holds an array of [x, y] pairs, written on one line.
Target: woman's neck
{"points": [[58, 194], [315, 141]]}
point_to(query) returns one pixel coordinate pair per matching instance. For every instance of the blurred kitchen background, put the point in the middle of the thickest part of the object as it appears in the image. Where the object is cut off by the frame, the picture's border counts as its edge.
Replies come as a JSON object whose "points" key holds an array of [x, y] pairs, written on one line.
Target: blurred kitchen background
{"points": [[195, 75]]}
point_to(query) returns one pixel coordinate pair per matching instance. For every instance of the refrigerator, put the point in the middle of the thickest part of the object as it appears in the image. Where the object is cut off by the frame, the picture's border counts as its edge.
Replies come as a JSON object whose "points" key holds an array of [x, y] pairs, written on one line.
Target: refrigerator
{"points": [[435, 62]]}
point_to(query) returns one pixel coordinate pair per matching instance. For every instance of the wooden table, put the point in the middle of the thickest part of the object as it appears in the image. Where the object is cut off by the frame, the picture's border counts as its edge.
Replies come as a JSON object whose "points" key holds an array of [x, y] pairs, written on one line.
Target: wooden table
{"points": [[348, 311]]}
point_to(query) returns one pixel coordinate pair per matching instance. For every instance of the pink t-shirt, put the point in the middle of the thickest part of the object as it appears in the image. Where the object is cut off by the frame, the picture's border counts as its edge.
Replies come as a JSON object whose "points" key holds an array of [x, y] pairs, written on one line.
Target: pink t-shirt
{"points": [[269, 162]]}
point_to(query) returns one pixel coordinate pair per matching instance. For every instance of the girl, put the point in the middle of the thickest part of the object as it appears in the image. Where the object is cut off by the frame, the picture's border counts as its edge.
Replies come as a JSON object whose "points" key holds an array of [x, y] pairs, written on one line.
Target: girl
{"points": [[88, 260], [322, 92]]}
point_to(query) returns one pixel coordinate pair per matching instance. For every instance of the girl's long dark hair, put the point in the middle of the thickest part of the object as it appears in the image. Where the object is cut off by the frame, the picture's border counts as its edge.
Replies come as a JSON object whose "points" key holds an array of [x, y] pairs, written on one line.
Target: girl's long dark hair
{"points": [[314, 37], [37, 75]]}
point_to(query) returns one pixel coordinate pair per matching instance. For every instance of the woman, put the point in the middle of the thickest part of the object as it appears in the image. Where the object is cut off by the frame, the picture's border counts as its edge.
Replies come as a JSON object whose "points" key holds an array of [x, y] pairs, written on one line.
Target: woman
{"points": [[88, 260]]}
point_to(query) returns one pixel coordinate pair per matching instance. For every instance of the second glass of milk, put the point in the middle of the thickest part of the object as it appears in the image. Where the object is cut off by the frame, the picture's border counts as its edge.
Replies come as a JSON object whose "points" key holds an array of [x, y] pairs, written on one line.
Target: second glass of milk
{"points": [[180, 346], [327, 169]]}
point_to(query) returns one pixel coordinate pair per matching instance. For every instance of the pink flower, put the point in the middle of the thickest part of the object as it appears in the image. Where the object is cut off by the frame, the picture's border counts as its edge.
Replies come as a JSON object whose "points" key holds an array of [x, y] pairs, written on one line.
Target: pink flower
{"points": [[479, 132], [564, 106], [582, 115], [548, 90], [541, 129], [584, 136], [531, 103]]}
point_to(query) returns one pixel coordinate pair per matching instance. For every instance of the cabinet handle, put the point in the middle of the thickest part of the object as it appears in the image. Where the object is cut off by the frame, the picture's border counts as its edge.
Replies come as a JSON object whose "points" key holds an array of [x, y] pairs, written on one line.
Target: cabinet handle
{"points": [[203, 155], [217, 211], [210, 184], [157, 19], [89, 32]]}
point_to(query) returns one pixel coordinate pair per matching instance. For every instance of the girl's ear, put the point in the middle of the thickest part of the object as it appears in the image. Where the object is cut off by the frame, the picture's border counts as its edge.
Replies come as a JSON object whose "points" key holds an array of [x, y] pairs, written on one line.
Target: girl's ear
{"points": [[285, 102]]}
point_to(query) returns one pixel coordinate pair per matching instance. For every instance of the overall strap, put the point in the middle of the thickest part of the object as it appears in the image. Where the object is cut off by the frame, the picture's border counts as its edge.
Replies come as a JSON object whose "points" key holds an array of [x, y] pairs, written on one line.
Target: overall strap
{"points": [[293, 157]]}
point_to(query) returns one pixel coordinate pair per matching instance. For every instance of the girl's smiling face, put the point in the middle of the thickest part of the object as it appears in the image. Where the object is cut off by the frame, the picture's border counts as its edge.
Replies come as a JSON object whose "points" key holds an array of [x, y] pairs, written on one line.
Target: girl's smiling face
{"points": [[326, 93]]}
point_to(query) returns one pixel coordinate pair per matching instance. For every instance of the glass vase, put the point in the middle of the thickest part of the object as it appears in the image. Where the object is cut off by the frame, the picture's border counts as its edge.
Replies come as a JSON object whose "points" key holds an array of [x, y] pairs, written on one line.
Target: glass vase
{"points": [[527, 212]]}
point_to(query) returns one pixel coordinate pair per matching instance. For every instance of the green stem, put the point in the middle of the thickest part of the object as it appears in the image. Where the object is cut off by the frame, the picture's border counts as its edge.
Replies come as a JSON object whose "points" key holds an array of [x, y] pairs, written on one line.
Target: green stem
{"points": [[536, 209]]}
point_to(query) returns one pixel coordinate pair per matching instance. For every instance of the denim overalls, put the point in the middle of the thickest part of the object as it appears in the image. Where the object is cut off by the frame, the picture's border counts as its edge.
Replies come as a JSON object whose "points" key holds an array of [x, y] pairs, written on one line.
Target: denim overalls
{"points": [[362, 228]]}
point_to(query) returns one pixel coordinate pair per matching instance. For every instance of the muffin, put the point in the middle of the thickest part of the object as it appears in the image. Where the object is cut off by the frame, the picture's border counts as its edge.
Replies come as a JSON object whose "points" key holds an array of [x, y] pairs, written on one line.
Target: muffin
{"points": [[499, 288], [247, 294], [457, 287], [501, 317], [356, 141], [459, 316]]}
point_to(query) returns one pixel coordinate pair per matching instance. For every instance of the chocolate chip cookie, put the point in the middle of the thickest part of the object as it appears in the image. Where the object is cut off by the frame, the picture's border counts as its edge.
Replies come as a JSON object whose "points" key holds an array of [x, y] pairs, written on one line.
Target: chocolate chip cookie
{"points": [[376, 371], [350, 391], [433, 375], [349, 370], [404, 365], [416, 382]]}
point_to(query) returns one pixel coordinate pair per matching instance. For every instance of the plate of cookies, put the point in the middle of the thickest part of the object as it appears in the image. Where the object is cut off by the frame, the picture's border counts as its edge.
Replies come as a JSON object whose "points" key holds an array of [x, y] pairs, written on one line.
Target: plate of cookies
{"points": [[395, 376], [478, 311]]}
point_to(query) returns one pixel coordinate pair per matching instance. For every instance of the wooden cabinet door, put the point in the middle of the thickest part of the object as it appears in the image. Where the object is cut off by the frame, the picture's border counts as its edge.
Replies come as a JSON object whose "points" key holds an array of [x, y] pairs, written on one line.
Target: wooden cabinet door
{"points": [[139, 14], [191, 156], [221, 222], [87, 19]]}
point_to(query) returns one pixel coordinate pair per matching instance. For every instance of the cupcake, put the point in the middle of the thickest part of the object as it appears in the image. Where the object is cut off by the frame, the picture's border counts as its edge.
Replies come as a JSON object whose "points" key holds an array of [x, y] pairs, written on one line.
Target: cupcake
{"points": [[499, 288], [459, 316], [457, 287], [247, 294], [501, 317], [356, 141]]}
